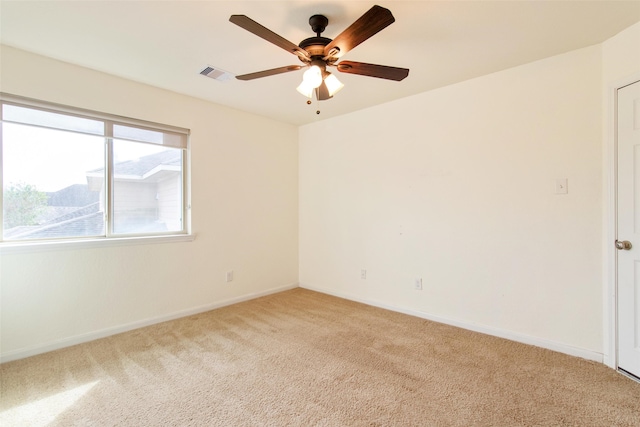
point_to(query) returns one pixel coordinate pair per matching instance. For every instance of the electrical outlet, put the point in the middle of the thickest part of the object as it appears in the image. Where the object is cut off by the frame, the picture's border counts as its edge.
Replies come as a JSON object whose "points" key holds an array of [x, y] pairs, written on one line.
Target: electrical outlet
{"points": [[230, 276], [363, 274], [417, 284]]}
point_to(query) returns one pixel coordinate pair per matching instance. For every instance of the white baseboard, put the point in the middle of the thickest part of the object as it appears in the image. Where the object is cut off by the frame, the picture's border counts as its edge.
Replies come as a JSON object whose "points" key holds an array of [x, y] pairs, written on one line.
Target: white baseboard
{"points": [[90, 336], [501, 333], [513, 336], [609, 361]]}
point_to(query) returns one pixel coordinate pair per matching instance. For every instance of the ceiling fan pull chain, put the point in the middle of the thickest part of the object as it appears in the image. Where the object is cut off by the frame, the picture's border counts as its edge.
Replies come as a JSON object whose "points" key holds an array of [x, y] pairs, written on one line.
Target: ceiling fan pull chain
{"points": [[317, 103]]}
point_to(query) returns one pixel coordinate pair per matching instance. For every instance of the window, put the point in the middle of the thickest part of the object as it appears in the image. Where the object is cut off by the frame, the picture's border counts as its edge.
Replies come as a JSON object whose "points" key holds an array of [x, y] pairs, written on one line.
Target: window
{"points": [[75, 174]]}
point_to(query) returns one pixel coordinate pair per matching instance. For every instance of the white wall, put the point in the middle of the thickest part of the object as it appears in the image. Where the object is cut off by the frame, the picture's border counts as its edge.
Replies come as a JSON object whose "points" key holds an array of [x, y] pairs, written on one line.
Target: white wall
{"points": [[244, 198], [457, 186], [621, 55]]}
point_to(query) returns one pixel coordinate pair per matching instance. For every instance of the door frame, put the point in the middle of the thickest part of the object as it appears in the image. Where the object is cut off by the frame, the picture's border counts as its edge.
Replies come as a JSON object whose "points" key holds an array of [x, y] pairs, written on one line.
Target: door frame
{"points": [[610, 178]]}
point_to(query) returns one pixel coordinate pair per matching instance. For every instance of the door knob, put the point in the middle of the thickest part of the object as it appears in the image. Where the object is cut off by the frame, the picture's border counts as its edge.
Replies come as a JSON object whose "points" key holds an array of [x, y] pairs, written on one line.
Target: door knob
{"points": [[623, 245]]}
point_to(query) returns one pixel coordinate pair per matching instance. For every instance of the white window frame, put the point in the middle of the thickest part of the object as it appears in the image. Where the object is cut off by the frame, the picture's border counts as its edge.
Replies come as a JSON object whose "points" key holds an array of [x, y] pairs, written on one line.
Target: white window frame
{"points": [[109, 238]]}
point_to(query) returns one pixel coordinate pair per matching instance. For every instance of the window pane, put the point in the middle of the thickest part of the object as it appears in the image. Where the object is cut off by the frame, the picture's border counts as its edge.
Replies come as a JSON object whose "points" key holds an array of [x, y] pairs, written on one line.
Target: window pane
{"points": [[49, 189], [52, 120], [147, 188]]}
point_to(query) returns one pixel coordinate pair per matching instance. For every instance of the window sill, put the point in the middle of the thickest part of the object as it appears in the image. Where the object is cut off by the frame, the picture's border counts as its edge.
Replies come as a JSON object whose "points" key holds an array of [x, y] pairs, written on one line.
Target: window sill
{"points": [[27, 247]]}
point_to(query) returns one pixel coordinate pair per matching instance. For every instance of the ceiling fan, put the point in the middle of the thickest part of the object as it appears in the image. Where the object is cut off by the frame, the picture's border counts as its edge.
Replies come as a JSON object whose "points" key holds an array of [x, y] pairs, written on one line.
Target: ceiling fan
{"points": [[318, 53]]}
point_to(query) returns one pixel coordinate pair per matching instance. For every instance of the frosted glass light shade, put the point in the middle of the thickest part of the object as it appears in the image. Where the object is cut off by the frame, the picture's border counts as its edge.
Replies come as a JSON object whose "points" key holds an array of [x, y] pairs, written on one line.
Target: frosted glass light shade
{"points": [[313, 76], [305, 89], [333, 84]]}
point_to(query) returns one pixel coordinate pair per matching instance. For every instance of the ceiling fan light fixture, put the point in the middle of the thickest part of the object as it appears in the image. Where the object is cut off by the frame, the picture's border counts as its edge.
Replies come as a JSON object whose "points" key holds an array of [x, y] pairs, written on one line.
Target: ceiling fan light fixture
{"points": [[305, 89], [311, 79], [319, 52], [313, 76], [333, 84]]}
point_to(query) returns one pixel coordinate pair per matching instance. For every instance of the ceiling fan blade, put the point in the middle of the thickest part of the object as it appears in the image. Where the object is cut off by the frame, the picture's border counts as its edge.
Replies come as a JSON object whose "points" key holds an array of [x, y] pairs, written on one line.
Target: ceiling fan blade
{"points": [[267, 73], [260, 31], [373, 21], [322, 92], [373, 70]]}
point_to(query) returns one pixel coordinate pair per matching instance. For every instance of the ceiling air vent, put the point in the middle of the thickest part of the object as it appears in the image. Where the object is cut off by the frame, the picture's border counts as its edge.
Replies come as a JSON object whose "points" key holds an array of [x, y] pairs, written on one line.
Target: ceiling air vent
{"points": [[216, 74]]}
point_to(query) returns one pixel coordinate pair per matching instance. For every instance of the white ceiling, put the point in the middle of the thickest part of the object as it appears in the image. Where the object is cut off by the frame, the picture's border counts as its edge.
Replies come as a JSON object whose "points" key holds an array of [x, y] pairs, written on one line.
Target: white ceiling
{"points": [[167, 43]]}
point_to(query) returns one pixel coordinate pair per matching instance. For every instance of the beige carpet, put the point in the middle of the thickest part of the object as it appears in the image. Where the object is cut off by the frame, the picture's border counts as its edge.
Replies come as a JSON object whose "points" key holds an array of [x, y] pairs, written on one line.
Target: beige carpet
{"points": [[301, 358]]}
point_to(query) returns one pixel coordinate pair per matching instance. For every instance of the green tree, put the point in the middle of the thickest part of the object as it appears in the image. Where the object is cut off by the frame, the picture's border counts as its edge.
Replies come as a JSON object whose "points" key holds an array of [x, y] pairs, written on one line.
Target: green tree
{"points": [[22, 205]]}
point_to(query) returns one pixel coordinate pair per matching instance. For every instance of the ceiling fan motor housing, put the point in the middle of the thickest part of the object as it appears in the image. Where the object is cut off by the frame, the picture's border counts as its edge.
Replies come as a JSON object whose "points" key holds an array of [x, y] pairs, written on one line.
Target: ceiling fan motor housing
{"points": [[315, 45]]}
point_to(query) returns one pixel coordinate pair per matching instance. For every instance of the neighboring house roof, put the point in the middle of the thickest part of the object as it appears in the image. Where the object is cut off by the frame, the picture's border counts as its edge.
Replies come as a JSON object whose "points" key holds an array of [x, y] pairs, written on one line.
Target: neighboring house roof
{"points": [[76, 213], [85, 221], [151, 168], [53, 212], [74, 195], [145, 165]]}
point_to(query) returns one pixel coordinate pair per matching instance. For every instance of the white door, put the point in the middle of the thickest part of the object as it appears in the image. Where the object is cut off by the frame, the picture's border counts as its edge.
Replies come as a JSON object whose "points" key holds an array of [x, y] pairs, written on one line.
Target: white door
{"points": [[628, 232]]}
